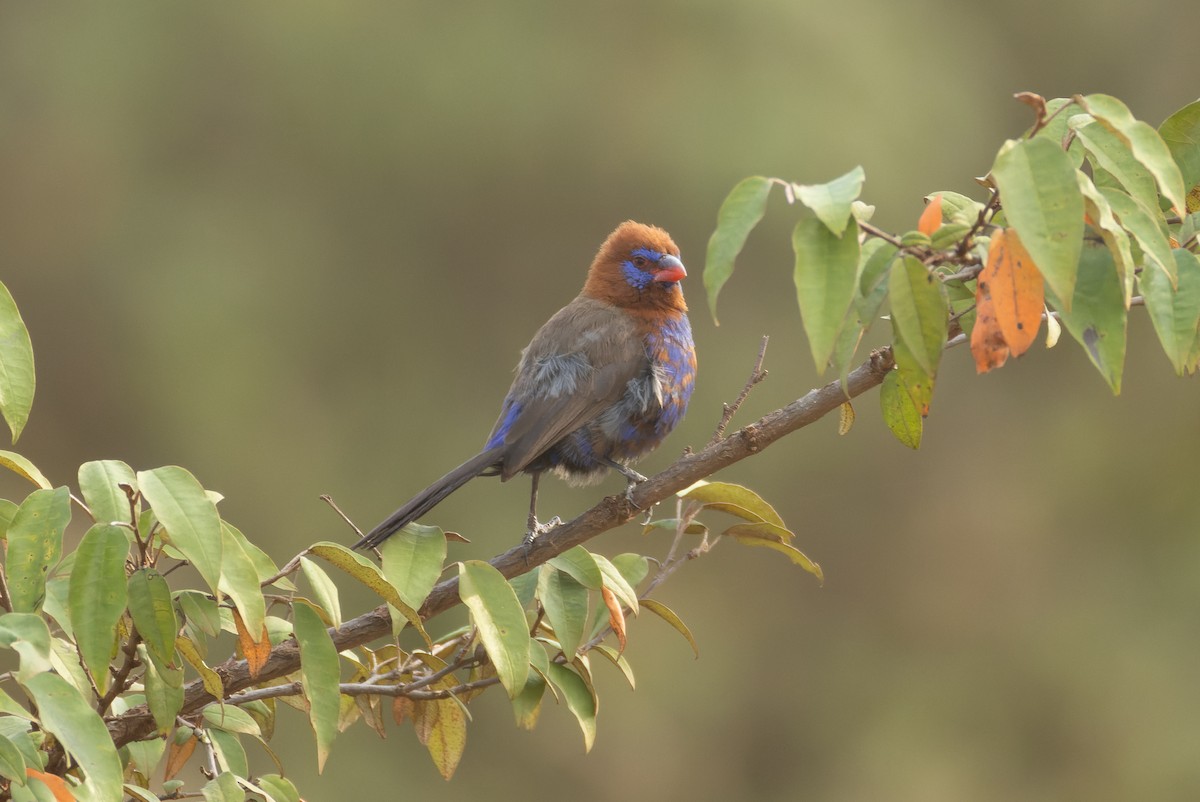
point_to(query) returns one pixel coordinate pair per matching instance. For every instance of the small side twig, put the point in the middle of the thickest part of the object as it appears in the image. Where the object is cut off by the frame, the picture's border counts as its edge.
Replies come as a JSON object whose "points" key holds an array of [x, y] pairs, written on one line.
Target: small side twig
{"points": [[329, 500], [756, 375], [875, 231]]}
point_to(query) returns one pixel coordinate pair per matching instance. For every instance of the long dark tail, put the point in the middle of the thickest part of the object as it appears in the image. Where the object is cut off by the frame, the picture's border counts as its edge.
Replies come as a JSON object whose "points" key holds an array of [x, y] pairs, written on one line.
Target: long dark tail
{"points": [[430, 497]]}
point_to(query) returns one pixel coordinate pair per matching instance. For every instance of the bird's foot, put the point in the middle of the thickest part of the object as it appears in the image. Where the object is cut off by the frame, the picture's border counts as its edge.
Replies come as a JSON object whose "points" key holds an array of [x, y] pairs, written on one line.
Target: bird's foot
{"points": [[634, 479], [537, 529]]}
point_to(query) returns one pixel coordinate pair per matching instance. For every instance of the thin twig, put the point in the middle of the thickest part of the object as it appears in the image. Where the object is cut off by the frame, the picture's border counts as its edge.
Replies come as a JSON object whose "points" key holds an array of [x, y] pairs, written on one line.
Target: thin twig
{"points": [[756, 376], [875, 231], [329, 500]]}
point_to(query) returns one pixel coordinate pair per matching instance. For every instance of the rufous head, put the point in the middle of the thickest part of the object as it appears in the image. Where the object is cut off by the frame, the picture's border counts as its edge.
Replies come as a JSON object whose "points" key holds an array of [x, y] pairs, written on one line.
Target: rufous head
{"points": [[637, 266]]}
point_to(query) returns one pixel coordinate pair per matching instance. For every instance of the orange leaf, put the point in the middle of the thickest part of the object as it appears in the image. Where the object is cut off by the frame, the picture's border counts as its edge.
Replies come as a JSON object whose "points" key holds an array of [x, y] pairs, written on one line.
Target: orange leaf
{"points": [[61, 791], [616, 616], [256, 652], [931, 218], [987, 341], [402, 708], [178, 755], [1016, 288]]}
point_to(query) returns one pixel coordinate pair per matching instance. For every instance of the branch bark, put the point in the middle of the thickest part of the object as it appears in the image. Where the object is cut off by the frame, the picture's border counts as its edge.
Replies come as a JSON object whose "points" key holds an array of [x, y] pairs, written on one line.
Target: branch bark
{"points": [[137, 723]]}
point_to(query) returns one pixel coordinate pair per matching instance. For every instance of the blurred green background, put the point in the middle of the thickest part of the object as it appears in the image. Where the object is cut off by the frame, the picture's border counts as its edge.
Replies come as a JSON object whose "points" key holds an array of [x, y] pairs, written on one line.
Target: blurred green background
{"points": [[297, 249]]}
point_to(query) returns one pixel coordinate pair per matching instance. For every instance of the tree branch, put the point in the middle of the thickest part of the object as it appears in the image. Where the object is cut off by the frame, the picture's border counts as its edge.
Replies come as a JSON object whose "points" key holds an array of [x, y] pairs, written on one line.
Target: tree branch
{"points": [[137, 723]]}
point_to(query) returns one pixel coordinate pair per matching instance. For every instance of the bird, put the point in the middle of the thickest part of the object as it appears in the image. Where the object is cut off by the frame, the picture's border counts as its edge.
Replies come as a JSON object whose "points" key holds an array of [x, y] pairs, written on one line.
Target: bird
{"points": [[601, 384]]}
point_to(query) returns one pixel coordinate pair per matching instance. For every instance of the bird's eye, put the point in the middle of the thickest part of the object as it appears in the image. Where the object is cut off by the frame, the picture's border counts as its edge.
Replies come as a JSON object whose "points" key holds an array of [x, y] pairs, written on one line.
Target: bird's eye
{"points": [[640, 261]]}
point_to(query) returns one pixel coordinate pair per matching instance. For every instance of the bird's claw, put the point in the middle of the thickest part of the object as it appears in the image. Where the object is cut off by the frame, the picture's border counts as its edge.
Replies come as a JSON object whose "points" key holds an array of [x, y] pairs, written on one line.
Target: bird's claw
{"points": [[537, 529], [634, 479]]}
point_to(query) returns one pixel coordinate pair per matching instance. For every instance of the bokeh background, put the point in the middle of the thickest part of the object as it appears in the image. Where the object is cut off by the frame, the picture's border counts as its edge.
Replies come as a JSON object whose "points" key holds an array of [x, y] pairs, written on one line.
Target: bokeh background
{"points": [[297, 249]]}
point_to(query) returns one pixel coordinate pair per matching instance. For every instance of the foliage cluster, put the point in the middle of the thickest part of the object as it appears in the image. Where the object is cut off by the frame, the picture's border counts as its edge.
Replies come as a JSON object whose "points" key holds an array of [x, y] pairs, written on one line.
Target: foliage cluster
{"points": [[124, 671]]}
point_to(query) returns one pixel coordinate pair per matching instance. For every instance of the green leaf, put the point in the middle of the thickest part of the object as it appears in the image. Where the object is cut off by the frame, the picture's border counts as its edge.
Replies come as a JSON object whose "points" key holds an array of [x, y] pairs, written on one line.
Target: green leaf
{"points": [[831, 202], [527, 704], [1113, 155], [667, 614], [1181, 133], [264, 566], [8, 511], [566, 605], [24, 468], [56, 604], [164, 691], [826, 278], [579, 700], [1175, 312], [749, 538], [579, 563], [1142, 225], [12, 765], [900, 413], [153, 613], [70, 718], [201, 610], [913, 378], [16, 366], [239, 580], [144, 755], [231, 719], [672, 525], [733, 499], [281, 789], [739, 214], [525, 586], [211, 680], [412, 561], [874, 267], [500, 620], [956, 207], [1056, 129], [1147, 146], [96, 597], [325, 592], [849, 338], [20, 732], [223, 788], [100, 482], [618, 660], [615, 581], [368, 574], [319, 675], [633, 567], [27, 635], [189, 516], [139, 794], [919, 311], [229, 752], [1042, 202], [1114, 235], [1097, 315], [34, 545]]}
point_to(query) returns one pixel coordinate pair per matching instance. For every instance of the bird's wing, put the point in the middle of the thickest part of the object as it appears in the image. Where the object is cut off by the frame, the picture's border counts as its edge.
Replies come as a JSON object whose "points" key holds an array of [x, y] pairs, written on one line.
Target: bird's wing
{"points": [[576, 366]]}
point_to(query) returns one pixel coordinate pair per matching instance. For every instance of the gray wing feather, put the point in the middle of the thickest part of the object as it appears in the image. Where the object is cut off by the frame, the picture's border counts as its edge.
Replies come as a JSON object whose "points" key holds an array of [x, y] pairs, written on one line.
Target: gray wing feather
{"points": [[577, 365]]}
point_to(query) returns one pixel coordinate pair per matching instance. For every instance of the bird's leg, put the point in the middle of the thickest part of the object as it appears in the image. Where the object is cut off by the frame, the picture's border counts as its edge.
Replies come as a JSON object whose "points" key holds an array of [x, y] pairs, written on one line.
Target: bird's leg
{"points": [[534, 528], [632, 477]]}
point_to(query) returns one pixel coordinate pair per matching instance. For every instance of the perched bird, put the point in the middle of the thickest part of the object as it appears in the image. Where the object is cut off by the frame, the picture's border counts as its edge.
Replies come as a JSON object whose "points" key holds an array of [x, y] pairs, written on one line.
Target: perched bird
{"points": [[602, 383]]}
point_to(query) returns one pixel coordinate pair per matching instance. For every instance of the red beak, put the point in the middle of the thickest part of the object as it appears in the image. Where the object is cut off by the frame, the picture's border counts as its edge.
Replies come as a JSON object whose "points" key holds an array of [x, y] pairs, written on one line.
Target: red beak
{"points": [[670, 269]]}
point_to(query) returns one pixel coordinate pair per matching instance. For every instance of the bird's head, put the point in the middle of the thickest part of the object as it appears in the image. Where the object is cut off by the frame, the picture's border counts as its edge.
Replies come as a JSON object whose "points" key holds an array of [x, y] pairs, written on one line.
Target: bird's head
{"points": [[637, 266]]}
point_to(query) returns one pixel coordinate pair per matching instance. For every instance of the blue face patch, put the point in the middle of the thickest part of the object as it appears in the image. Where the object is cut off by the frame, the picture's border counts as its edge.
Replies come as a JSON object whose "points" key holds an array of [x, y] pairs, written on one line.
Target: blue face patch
{"points": [[647, 253], [637, 278]]}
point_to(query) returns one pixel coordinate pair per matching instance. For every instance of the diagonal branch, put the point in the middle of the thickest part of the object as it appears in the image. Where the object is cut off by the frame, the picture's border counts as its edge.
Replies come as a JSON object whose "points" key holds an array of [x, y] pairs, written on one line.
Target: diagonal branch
{"points": [[137, 723]]}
